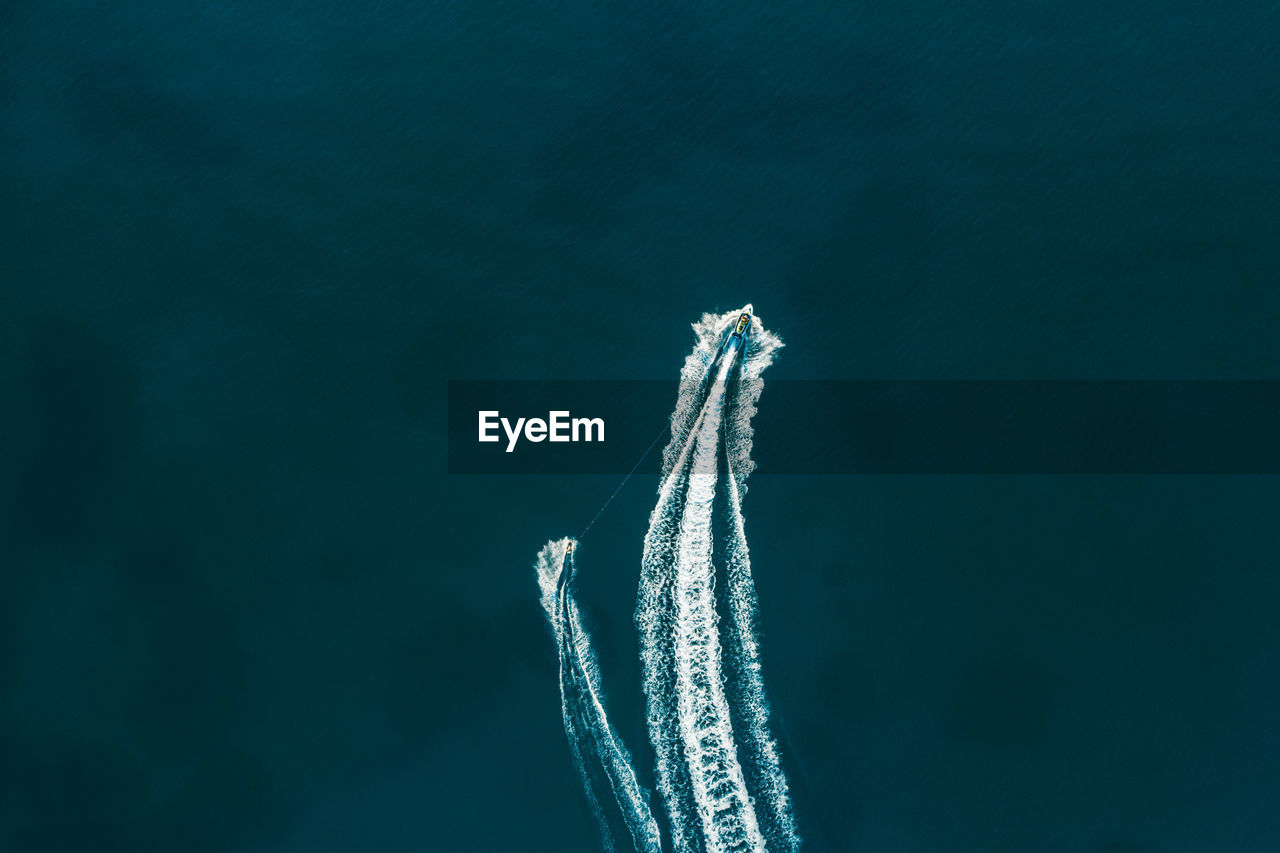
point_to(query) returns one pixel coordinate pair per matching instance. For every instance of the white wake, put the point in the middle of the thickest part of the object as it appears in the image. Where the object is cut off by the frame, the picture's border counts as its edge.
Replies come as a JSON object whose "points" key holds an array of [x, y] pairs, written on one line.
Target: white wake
{"points": [[716, 763], [598, 753]]}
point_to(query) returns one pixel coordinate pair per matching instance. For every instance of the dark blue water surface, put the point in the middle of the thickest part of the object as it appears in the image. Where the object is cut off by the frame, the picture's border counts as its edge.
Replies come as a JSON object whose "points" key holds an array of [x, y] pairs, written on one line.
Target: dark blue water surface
{"points": [[244, 245]]}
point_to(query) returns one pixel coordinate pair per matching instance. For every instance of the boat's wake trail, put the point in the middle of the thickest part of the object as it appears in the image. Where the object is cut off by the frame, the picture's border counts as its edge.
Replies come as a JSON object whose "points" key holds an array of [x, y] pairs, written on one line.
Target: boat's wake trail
{"points": [[716, 762], [616, 799]]}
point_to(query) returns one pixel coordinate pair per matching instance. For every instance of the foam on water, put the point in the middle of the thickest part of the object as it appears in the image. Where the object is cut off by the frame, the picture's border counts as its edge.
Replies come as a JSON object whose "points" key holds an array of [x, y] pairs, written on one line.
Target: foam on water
{"points": [[717, 764]]}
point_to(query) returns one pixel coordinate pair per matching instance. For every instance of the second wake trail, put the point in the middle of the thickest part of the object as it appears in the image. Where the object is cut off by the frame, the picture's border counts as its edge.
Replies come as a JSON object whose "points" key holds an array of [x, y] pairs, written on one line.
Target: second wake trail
{"points": [[618, 802]]}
